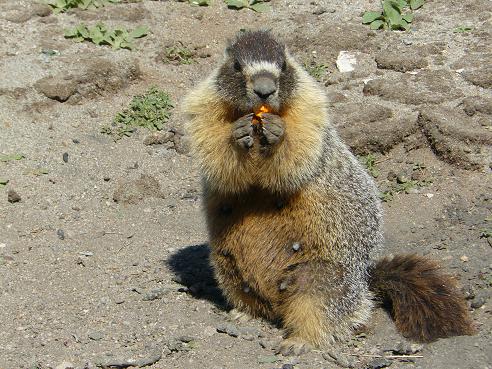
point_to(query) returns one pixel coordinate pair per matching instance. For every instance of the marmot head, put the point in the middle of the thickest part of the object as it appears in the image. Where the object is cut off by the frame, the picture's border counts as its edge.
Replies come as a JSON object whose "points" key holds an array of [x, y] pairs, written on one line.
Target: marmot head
{"points": [[256, 71]]}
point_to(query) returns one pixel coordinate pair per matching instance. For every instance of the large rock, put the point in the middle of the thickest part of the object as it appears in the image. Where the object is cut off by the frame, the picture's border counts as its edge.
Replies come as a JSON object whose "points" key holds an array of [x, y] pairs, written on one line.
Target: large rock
{"points": [[372, 127], [400, 61], [456, 138], [481, 76], [425, 87], [96, 76]]}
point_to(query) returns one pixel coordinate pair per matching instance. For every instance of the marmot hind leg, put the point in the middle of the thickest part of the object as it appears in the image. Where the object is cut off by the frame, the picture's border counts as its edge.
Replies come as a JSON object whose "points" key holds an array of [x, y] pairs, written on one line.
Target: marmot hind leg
{"points": [[241, 297], [322, 308]]}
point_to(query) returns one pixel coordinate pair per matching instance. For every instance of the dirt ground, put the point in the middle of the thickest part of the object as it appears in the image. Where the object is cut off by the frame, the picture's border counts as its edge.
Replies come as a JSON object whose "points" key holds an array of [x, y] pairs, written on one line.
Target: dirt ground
{"points": [[103, 256]]}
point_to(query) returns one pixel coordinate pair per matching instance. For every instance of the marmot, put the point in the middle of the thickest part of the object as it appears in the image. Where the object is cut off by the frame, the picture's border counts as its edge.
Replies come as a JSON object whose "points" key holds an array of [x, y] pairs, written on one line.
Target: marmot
{"points": [[293, 217]]}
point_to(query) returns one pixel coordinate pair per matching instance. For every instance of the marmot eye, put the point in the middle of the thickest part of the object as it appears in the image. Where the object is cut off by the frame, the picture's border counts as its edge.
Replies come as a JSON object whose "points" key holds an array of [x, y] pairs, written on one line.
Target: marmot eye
{"points": [[237, 66]]}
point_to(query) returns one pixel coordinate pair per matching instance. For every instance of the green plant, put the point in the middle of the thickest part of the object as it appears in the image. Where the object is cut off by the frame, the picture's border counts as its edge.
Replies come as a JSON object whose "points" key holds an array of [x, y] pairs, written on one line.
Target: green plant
{"points": [[462, 29], [3, 182], [179, 54], [406, 186], [256, 5], [369, 161], [150, 110], [317, 71], [118, 38], [394, 15], [60, 6], [199, 2], [10, 157]]}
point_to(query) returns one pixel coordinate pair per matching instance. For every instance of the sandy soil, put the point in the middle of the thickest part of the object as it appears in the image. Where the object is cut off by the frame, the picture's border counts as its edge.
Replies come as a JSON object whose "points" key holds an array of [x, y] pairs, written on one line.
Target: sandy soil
{"points": [[103, 256]]}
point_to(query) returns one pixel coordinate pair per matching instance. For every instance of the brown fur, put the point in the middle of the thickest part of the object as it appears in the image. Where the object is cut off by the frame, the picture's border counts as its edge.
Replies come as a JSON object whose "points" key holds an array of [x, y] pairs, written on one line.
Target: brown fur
{"points": [[308, 190], [425, 304]]}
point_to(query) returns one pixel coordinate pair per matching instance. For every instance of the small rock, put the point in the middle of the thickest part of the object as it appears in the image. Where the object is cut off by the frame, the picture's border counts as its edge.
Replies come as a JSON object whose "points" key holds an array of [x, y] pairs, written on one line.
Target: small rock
{"points": [[177, 346], [469, 292], [405, 348], [417, 175], [230, 329], [13, 196], [96, 336], [182, 144], [399, 61], [378, 363], [65, 365], [402, 178], [391, 176], [249, 333], [287, 366], [186, 339], [56, 88], [61, 234], [346, 61], [65, 157], [155, 294], [158, 138], [106, 178], [319, 11], [41, 10], [464, 258], [478, 302]]}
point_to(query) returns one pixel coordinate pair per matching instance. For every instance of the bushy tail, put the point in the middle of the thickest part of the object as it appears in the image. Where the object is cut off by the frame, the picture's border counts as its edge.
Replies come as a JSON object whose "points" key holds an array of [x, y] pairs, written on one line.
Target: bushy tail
{"points": [[425, 304]]}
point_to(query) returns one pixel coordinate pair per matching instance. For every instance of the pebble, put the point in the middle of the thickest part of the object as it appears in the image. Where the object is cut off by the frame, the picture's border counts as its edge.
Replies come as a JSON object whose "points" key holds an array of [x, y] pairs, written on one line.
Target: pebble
{"points": [[186, 339], [61, 234], [391, 176], [402, 178], [296, 246], [319, 11], [228, 328], [378, 363], [405, 348], [464, 258], [65, 157], [177, 346], [13, 196], [155, 294], [478, 301], [250, 331], [146, 360], [96, 336]]}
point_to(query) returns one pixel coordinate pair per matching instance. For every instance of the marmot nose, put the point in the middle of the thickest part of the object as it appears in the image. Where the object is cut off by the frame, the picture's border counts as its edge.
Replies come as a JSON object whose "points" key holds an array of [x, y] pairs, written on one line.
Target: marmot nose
{"points": [[264, 86]]}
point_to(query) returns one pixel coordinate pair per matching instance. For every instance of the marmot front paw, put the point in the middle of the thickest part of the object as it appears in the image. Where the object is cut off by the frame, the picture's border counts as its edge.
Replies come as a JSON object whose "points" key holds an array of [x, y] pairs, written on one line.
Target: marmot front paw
{"points": [[242, 131], [273, 128]]}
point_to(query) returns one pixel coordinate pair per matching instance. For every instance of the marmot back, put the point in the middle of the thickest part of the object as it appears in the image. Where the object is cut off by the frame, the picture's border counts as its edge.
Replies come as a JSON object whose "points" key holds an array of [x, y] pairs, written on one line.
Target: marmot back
{"points": [[293, 217]]}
